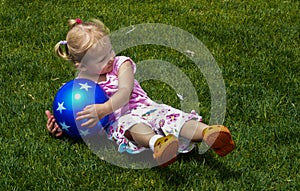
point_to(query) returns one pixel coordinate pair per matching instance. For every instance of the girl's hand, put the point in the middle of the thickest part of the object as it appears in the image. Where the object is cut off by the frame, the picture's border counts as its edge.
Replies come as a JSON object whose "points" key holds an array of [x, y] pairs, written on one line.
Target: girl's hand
{"points": [[93, 113], [52, 126]]}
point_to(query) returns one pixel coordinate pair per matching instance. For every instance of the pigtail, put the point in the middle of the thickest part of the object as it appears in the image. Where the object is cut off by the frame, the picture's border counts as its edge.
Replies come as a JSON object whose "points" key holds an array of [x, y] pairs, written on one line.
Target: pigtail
{"points": [[60, 52], [74, 22], [81, 37]]}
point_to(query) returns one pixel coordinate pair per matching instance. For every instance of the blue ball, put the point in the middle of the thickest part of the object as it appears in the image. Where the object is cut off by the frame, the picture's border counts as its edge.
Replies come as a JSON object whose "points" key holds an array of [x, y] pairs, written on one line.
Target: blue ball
{"points": [[73, 97]]}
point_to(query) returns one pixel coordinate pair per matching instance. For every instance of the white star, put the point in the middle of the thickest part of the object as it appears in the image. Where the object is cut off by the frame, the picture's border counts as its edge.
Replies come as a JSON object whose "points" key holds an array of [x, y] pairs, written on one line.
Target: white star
{"points": [[85, 86], [84, 132], [64, 126], [61, 107]]}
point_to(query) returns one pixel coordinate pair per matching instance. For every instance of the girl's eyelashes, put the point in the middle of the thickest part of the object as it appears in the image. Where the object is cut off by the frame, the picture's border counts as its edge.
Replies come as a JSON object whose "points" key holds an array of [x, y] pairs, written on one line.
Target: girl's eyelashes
{"points": [[105, 57], [102, 59]]}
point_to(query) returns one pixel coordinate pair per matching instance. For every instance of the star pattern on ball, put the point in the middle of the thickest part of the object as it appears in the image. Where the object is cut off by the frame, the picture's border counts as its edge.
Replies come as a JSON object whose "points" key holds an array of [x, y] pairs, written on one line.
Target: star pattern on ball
{"points": [[84, 132], [85, 86], [73, 97], [61, 107], [64, 126]]}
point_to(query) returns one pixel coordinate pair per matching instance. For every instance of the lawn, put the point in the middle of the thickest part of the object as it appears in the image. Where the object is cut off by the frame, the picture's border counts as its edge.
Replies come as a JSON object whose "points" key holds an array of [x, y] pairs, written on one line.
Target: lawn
{"points": [[255, 45]]}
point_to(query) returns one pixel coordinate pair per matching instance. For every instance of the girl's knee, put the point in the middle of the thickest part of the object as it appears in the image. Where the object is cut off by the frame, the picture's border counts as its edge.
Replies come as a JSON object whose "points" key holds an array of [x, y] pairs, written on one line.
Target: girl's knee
{"points": [[140, 133], [139, 130]]}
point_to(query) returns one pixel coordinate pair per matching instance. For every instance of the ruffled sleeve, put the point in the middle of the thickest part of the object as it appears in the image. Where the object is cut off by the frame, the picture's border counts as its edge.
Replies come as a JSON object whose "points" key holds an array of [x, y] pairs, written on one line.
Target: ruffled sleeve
{"points": [[120, 61]]}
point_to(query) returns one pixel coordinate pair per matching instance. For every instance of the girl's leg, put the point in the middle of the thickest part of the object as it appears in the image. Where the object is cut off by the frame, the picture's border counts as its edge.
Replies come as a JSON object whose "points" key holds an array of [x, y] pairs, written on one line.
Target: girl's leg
{"points": [[164, 148], [141, 134], [193, 130], [218, 137]]}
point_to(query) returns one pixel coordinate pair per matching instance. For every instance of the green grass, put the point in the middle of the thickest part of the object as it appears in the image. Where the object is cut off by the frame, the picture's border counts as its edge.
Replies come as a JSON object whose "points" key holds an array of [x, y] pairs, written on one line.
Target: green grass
{"points": [[256, 45]]}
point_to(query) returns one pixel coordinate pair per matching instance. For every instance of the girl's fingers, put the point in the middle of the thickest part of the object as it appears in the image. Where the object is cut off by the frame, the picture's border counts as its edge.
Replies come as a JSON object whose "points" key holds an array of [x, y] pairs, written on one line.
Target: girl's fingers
{"points": [[88, 107], [90, 123], [93, 124], [87, 110], [56, 131], [85, 123], [59, 133], [48, 114], [49, 124], [81, 117], [56, 128], [53, 130], [82, 114], [52, 126]]}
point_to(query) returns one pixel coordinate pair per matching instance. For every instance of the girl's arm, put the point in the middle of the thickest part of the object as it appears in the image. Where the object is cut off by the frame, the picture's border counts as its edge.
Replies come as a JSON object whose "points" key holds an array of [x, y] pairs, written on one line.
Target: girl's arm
{"points": [[125, 86], [119, 99]]}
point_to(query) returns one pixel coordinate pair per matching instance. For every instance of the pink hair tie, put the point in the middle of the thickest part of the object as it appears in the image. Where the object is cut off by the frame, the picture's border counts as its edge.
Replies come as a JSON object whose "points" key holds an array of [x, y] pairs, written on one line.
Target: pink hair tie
{"points": [[78, 20]]}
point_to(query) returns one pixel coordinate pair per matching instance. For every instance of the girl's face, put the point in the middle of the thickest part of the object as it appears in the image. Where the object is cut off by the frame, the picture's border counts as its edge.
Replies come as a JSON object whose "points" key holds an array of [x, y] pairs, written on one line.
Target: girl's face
{"points": [[100, 58]]}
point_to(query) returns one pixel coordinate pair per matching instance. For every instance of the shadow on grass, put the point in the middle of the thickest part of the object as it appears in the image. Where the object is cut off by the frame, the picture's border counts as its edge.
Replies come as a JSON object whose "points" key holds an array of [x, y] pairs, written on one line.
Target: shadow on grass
{"points": [[107, 150], [204, 163], [190, 164]]}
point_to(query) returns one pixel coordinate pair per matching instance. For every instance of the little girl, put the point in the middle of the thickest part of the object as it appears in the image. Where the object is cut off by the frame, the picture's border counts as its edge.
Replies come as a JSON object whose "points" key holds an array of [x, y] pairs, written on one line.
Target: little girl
{"points": [[135, 120]]}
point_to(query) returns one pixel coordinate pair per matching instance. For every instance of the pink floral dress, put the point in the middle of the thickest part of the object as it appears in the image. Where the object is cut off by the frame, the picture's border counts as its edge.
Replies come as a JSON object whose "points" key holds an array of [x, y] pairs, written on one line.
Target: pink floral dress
{"points": [[163, 119]]}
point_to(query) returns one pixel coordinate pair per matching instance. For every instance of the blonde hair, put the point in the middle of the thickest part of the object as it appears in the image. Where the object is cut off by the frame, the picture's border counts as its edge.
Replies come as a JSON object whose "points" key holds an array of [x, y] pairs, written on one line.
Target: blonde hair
{"points": [[81, 37]]}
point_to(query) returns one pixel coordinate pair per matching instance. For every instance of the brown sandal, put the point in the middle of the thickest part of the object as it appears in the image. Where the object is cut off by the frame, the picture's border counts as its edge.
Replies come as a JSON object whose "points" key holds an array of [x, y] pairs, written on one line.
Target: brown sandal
{"points": [[165, 150], [218, 137]]}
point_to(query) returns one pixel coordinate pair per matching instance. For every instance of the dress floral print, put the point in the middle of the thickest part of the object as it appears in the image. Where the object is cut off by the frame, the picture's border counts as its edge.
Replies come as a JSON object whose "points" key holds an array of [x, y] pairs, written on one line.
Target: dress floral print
{"points": [[163, 119]]}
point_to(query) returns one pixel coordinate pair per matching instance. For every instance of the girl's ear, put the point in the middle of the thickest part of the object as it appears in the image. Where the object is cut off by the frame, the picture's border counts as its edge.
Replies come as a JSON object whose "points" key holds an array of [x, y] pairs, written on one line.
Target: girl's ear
{"points": [[77, 64], [80, 66]]}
